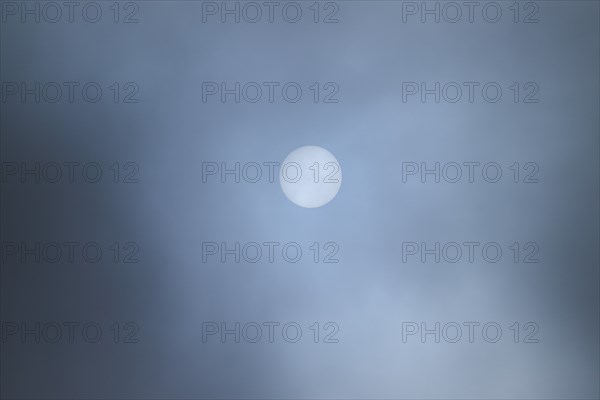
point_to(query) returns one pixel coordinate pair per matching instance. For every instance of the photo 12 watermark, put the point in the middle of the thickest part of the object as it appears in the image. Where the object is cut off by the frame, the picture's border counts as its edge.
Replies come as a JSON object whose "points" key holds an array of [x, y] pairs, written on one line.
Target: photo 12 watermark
{"points": [[270, 252], [269, 332], [469, 332], [270, 12], [69, 12], [69, 252], [69, 332], [69, 92], [69, 172]]}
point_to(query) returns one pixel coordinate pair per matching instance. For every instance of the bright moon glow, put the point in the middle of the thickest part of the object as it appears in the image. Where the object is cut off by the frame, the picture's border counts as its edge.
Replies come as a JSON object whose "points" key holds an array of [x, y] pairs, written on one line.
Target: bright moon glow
{"points": [[310, 176]]}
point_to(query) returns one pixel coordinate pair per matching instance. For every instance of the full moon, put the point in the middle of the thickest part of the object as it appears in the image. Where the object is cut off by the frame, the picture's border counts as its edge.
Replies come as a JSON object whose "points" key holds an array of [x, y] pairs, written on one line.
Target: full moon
{"points": [[310, 176]]}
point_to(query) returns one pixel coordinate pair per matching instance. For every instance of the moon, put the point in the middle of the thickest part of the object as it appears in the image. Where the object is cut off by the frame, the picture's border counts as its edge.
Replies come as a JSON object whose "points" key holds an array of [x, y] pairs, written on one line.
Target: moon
{"points": [[310, 176]]}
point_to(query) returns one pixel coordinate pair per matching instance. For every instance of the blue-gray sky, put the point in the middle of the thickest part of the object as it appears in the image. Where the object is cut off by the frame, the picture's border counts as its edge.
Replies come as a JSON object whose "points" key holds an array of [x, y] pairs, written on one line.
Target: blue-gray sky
{"points": [[170, 212]]}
